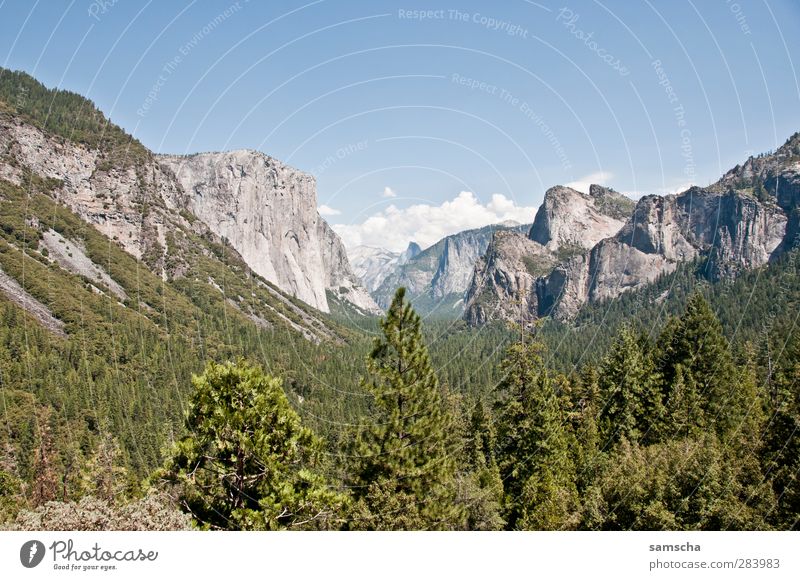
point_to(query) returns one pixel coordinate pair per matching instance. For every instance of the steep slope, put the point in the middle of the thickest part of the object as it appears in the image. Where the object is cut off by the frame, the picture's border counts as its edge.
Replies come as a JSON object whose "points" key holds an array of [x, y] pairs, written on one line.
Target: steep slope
{"points": [[569, 220], [440, 274], [503, 286], [267, 211], [743, 221], [113, 183]]}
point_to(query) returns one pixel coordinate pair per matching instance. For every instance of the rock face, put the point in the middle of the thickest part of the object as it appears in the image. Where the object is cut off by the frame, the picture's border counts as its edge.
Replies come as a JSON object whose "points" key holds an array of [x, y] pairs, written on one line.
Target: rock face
{"points": [[105, 193], [267, 211], [263, 208], [373, 265], [568, 220], [741, 222], [521, 280], [442, 272], [503, 285]]}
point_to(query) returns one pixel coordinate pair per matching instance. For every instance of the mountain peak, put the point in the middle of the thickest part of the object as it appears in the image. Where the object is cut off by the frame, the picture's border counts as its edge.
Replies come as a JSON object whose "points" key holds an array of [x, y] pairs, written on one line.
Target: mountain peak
{"points": [[569, 218]]}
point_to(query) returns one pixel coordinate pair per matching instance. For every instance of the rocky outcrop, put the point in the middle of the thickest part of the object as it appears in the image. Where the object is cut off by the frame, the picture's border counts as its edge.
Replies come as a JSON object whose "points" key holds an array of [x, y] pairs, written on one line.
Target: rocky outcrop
{"points": [[744, 220], [569, 221], [110, 195], [267, 211], [733, 229], [442, 273], [504, 282]]}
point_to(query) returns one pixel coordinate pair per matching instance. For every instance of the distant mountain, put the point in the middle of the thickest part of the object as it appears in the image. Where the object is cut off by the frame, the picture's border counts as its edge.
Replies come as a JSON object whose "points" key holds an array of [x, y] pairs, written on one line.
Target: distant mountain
{"points": [[437, 277], [567, 223], [372, 265], [746, 219]]}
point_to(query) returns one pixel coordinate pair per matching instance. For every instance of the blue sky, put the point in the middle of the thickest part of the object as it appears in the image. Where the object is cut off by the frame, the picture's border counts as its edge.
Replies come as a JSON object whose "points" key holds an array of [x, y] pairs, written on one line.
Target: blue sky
{"points": [[399, 112]]}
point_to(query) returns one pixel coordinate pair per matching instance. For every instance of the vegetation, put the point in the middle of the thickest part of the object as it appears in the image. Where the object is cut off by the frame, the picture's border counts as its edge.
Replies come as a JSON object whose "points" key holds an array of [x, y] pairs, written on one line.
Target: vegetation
{"points": [[673, 407], [404, 461], [247, 463]]}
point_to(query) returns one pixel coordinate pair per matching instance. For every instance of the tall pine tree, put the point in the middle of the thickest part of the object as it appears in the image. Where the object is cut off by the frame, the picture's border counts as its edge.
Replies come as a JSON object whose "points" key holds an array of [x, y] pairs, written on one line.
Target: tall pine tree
{"points": [[632, 406], [532, 444], [405, 462]]}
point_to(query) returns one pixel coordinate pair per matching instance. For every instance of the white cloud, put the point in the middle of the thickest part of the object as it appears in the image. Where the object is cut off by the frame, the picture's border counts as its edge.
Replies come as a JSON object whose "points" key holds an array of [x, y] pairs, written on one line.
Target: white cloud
{"points": [[583, 183], [393, 228], [388, 192], [325, 210]]}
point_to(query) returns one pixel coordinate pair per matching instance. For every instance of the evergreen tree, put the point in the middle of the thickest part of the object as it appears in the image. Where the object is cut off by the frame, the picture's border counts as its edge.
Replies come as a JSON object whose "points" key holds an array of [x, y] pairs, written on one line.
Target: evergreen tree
{"points": [[585, 404], [404, 472], [481, 489], [105, 475], [781, 452], [632, 406], [699, 377], [247, 463], [532, 444]]}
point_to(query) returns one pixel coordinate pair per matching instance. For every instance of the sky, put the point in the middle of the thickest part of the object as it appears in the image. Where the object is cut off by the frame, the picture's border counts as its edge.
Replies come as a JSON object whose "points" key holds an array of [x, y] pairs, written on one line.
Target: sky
{"points": [[421, 119]]}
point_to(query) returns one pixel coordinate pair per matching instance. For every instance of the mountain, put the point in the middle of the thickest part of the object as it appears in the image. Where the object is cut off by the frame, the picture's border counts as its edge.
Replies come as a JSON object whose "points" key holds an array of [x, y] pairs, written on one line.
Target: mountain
{"points": [[267, 211], [437, 277], [133, 200], [373, 265], [743, 221], [569, 219], [505, 281]]}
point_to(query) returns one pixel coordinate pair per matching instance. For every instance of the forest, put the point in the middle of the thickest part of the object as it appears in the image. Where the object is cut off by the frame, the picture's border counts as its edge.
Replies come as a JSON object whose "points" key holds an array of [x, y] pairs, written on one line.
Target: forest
{"points": [[673, 407]]}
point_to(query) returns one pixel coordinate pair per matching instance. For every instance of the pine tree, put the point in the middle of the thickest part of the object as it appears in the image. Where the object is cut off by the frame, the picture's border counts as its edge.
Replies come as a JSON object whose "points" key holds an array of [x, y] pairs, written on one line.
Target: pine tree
{"points": [[585, 404], [532, 444], [699, 377], [632, 406], [404, 472], [105, 475], [481, 489], [247, 462]]}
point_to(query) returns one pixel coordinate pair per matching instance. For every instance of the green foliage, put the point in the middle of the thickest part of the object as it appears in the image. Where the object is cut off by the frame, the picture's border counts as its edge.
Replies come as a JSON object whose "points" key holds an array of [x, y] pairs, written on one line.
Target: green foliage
{"points": [[68, 115], [404, 466], [532, 444], [682, 484], [632, 406], [700, 380], [247, 463]]}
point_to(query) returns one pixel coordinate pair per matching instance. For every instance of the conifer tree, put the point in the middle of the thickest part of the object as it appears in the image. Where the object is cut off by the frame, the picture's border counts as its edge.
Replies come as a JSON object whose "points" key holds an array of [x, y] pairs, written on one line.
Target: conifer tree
{"points": [[632, 406], [699, 376], [404, 472], [247, 462], [532, 444], [481, 489]]}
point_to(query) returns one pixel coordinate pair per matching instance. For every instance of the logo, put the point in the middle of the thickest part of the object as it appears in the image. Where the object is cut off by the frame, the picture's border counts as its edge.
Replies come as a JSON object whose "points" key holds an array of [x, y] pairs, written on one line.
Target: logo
{"points": [[31, 553]]}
